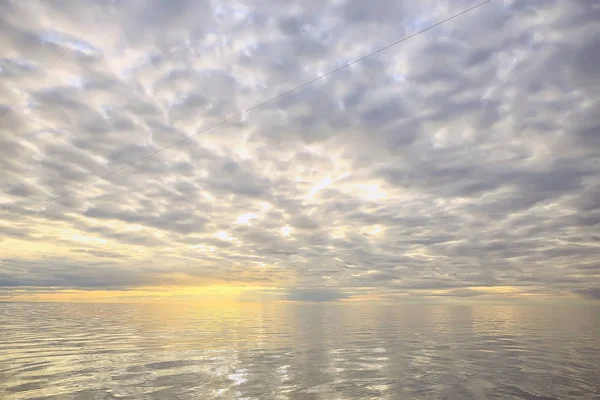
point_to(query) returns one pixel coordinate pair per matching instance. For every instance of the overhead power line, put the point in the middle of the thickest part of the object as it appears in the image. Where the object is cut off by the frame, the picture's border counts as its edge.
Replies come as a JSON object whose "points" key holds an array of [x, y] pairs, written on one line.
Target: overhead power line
{"points": [[53, 199], [69, 47]]}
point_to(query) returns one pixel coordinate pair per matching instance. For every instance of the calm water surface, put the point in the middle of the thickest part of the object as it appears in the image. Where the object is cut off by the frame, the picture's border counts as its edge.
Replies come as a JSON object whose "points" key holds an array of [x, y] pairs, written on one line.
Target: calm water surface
{"points": [[294, 351]]}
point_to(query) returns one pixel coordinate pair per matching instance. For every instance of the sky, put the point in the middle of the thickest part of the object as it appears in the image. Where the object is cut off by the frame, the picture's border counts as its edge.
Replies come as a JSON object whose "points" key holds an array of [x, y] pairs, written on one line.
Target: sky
{"points": [[461, 164]]}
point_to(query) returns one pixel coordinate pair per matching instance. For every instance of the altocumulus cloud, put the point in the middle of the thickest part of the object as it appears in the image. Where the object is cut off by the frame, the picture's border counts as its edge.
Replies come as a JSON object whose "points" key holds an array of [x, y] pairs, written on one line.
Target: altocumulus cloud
{"points": [[461, 163]]}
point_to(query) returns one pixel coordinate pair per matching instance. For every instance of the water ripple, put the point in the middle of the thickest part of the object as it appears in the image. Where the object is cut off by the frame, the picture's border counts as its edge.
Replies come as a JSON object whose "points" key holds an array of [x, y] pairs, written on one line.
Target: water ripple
{"points": [[294, 351]]}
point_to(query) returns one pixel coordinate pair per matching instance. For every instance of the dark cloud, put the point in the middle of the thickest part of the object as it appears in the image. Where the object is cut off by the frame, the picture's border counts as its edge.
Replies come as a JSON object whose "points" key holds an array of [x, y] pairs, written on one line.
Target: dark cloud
{"points": [[63, 273], [315, 294], [593, 294]]}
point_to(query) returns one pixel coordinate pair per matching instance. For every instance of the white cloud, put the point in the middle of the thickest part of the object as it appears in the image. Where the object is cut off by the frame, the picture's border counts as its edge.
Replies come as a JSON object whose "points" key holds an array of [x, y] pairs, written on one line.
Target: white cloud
{"points": [[246, 218]]}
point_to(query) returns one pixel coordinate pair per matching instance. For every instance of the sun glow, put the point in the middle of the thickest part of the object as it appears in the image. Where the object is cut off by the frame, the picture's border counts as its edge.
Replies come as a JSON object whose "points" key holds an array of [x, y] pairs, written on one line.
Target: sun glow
{"points": [[223, 236], [161, 294], [371, 192], [286, 231], [319, 186], [246, 219]]}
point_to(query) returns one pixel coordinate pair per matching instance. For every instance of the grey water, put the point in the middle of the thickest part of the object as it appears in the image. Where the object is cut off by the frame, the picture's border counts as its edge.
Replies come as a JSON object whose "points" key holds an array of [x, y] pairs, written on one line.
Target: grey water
{"points": [[298, 351]]}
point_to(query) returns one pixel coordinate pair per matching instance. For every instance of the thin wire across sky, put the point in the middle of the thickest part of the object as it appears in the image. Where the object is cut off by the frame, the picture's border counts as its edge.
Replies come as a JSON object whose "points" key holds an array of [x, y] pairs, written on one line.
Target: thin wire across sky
{"points": [[69, 47], [224, 121]]}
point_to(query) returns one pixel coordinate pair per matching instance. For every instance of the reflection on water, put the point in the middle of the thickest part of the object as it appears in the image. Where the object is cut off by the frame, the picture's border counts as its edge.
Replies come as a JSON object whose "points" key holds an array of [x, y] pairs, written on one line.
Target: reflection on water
{"points": [[298, 351]]}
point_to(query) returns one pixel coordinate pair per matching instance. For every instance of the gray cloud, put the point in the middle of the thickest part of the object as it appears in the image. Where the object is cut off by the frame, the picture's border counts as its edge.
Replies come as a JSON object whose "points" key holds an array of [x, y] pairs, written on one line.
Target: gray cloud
{"points": [[315, 294], [62, 273], [591, 293], [465, 158]]}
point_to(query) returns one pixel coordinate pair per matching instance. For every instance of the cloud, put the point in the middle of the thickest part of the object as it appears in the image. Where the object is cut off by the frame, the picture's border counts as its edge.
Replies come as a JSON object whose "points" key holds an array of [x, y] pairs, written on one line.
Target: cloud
{"points": [[593, 294], [463, 159], [315, 294], [62, 273]]}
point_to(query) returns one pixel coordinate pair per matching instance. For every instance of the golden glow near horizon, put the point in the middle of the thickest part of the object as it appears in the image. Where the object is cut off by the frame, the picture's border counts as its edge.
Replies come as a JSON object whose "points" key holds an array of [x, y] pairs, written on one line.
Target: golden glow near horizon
{"points": [[174, 294], [366, 185]]}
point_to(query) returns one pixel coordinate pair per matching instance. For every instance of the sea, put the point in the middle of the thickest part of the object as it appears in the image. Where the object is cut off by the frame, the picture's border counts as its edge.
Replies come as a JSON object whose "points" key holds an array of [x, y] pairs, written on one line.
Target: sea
{"points": [[299, 351]]}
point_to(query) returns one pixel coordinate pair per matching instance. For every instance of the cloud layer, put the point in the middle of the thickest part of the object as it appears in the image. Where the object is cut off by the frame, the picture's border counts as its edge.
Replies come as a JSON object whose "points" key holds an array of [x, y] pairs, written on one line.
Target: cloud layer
{"points": [[463, 162]]}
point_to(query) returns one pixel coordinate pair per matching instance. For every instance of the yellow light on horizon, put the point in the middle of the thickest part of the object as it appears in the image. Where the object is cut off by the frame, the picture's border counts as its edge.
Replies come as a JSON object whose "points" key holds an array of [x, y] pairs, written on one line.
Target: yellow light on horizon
{"points": [[167, 294]]}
